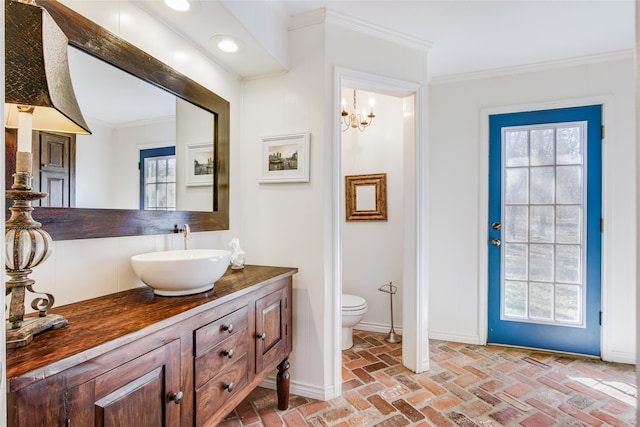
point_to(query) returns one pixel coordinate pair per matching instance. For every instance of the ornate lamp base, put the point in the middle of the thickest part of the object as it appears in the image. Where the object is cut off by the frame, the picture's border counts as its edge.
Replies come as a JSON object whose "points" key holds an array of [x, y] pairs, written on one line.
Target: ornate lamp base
{"points": [[32, 326], [27, 245]]}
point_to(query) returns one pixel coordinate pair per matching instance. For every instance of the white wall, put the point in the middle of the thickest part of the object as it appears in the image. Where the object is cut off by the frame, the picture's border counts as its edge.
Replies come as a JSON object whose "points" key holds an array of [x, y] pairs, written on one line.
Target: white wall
{"points": [[458, 199], [293, 224], [283, 223], [193, 126], [372, 251], [96, 156]]}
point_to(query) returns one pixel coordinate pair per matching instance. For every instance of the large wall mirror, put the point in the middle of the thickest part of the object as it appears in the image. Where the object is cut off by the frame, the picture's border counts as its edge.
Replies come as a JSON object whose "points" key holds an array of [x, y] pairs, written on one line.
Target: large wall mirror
{"points": [[138, 105]]}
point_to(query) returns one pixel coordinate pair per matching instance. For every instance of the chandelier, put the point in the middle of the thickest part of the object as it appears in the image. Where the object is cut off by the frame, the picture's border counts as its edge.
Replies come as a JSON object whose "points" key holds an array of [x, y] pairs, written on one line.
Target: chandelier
{"points": [[356, 119]]}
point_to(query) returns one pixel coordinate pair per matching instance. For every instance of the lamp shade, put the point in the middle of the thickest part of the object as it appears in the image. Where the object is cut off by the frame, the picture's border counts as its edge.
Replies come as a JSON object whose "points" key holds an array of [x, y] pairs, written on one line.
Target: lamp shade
{"points": [[37, 71]]}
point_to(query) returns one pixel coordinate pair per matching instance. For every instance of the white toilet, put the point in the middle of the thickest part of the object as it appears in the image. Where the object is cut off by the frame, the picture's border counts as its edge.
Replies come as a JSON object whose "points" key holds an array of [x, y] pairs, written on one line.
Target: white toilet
{"points": [[353, 310]]}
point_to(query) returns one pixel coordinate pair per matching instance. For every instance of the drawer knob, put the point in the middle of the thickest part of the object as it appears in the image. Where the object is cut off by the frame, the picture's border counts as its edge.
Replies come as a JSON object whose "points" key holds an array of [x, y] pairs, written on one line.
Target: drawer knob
{"points": [[228, 328], [261, 336], [228, 353], [176, 397], [228, 387]]}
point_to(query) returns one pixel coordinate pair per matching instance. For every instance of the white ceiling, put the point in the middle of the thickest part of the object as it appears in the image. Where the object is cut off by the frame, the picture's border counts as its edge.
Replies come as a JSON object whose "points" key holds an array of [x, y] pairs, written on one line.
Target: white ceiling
{"points": [[467, 35]]}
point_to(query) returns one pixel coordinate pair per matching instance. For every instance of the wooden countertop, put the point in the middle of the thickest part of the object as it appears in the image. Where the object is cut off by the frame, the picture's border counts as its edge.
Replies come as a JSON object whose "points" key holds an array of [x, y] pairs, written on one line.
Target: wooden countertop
{"points": [[126, 314]]}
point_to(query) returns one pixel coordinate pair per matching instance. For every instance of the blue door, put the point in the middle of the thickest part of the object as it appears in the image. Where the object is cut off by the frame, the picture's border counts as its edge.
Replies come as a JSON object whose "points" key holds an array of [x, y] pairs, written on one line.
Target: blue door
{"points": [[545, 198]]}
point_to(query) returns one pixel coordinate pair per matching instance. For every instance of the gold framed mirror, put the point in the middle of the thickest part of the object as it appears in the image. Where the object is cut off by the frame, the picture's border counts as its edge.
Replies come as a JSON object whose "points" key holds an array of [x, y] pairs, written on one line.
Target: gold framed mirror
{"points": [[366, 197]]}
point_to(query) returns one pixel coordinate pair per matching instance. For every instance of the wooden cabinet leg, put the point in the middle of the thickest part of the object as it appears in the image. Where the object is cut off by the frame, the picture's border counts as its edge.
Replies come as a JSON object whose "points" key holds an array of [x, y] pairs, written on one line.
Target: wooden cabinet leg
{"points": [[282, 383]]}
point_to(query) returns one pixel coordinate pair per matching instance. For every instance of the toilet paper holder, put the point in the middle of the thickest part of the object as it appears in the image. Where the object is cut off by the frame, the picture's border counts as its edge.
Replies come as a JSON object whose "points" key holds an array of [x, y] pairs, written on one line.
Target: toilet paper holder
{"points": [[390, 289]]}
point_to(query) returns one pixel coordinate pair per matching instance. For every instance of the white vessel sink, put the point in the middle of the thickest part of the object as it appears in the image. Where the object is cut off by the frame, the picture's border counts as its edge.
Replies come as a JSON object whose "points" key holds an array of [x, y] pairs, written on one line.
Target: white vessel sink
{"points": [[181, 272]]}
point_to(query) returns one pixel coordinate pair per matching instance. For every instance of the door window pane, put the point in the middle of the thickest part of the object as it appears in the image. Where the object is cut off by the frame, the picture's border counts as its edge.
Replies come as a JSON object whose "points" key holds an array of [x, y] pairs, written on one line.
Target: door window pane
{"points": [[568, 303], [569, 184], [515, 261], [542, 147], [541, 301], [568, 224], [569, 145], [517, 148], [542, 188], [568, 263], [542, 224], [542, 256], [515, 297], [516, 219], [541, 263], [517, 186]]}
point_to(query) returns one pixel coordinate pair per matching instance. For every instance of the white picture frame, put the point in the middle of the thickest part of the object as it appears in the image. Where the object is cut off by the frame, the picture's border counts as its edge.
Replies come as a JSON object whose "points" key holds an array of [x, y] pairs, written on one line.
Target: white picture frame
{"points": [[285, 158], [199, 164]]}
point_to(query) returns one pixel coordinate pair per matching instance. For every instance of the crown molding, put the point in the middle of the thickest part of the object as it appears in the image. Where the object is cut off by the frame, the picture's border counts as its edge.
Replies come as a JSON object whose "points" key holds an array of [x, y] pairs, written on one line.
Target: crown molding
{"points": [[620, 55], [324, 15]]}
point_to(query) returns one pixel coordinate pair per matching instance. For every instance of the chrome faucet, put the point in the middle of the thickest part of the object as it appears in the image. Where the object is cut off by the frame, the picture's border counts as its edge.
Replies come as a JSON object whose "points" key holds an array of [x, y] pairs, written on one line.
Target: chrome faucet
{"points": [[187, 235]]}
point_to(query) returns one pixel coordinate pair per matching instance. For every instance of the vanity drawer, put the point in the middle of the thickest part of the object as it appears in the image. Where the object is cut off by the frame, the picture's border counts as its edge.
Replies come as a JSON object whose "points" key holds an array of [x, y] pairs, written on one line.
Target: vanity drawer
{"points": [[215, 332], [217, 359], [220, 389]]}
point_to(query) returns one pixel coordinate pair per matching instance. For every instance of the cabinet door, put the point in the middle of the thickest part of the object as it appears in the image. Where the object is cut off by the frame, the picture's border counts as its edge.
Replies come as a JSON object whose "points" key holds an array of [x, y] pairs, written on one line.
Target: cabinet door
{"points": [[144, 392], [272, 329]]}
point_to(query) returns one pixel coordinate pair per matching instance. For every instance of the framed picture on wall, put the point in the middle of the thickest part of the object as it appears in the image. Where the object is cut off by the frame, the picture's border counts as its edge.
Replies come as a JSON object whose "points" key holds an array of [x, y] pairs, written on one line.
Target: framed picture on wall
{"points": [[285, 158], [200, 163], [366, 197]]}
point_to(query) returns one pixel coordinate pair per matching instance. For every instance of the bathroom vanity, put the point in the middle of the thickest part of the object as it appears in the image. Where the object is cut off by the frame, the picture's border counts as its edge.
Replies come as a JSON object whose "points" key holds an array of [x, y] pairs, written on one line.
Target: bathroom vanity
{"points": [[137, 359]]}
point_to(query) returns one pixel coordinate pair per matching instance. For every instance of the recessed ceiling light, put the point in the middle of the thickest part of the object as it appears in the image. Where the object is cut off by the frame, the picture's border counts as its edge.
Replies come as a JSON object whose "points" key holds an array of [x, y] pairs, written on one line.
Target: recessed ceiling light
{"points": [[179, 5], [226, 43], [228, 46]]}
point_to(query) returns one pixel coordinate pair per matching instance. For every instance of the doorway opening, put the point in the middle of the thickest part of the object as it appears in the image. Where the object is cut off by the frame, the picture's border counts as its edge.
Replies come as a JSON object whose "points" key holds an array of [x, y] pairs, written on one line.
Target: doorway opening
{"points": [[399, 158]]}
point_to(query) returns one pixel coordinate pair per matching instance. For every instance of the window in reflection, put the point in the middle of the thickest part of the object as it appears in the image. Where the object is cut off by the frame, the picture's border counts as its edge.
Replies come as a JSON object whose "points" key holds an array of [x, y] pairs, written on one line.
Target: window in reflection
{"points": [[158, 179]]}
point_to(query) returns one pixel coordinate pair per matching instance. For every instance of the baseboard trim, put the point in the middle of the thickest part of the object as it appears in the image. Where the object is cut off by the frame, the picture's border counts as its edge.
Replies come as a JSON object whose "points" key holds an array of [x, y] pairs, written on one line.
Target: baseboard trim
{"points": [[377, 327], [619, 357], [302, 389], [448, 336]]}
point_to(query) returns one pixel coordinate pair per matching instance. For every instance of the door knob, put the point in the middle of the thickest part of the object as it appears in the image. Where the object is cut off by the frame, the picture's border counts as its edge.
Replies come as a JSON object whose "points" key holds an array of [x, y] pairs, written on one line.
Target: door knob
{"points": [[228, 387], [496, 225], [261, 336], [496, 242]]}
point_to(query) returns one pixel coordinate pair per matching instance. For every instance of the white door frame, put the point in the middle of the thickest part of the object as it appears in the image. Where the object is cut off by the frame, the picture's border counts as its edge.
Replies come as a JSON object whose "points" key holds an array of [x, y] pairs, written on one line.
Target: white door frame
{"points": [[415, 343]]}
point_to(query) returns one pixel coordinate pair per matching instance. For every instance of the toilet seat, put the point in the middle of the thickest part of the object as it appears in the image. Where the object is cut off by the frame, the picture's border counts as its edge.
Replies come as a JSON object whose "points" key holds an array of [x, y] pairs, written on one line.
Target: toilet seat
{"points": [[353, 303]]}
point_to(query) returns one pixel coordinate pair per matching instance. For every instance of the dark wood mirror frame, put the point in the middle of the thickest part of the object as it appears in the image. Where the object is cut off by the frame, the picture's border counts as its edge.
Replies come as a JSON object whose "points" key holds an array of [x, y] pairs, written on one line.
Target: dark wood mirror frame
{"points": [[73, 223]]}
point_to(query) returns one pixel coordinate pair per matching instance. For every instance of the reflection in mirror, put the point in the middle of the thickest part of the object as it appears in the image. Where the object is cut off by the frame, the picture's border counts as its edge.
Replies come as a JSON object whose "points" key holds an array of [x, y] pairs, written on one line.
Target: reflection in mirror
{"points": [[87, 223], [128, 116]]}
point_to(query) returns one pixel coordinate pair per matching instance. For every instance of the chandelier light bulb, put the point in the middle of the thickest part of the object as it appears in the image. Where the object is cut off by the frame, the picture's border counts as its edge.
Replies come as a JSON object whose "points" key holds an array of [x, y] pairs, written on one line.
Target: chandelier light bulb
{"points": [[356, 120]]}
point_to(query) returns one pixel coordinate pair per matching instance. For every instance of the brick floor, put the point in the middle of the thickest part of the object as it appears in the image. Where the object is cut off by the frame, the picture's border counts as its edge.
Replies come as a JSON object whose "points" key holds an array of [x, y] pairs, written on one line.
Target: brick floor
{"points": [[467, 385]]}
